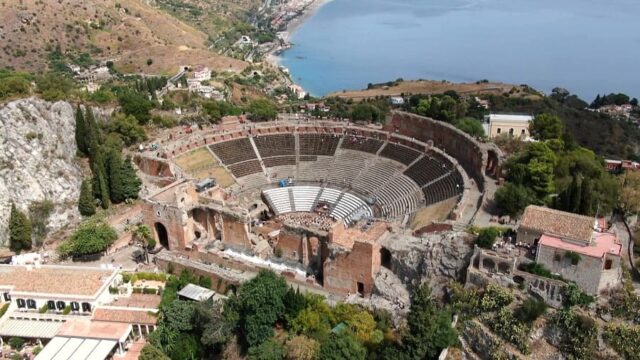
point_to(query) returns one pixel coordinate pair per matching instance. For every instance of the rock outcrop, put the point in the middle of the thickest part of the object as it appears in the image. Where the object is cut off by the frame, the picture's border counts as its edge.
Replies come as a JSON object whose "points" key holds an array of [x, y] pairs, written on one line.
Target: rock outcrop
{"points": [[436, 259], [37, 160]]}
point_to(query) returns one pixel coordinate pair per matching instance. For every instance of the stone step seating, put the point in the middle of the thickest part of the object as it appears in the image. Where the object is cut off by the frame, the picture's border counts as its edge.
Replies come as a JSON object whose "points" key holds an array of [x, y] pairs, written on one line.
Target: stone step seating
{"points": [[329, 195], [275, 145], [245, 168], [315, 170], [318, 144], [253, 181], [282, 172], [403, 206], [234, 151], [347, 204], [448, 187], [279, 161], [375, 176], [399, 153], [361, 144], [399, 197], [279, 200], [427, 170], [347, 166], [304, 197]]}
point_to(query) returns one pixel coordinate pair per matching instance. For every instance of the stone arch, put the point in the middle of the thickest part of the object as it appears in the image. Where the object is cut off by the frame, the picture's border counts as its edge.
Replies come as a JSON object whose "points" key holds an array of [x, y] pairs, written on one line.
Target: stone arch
{"points": [[489, 264], [504, 267], [163, 235], [385, 258]]}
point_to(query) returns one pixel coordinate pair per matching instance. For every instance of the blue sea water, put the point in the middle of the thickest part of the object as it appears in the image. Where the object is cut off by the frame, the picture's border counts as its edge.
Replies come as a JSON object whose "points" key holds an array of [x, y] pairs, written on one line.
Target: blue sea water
{"points": [[586, 46]]}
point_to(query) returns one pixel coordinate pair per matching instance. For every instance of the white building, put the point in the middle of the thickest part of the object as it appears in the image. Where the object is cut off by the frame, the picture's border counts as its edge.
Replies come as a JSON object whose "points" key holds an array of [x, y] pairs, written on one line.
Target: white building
{"points": [[514, 125], [201, 73]]}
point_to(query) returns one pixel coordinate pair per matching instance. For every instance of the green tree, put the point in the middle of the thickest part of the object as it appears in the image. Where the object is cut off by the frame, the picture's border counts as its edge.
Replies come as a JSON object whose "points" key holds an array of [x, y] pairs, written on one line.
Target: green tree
{"points": [[470, 126], [81, 132], [260, 303], [91, 237], [19, 230], [342, 347], [137, 105], [268, 350], [511, 199], [86, 205], [586, 197], [366, 112], [100, 187], [150, 352], [428, 328], [487, 237], [127, 127], [546, 127], [301, 347], [262, 110], [39, 213], [54, 86]]}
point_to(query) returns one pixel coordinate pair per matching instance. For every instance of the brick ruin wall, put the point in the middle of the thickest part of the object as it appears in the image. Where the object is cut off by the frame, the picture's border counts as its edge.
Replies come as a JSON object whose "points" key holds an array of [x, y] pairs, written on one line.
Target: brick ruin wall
{"points": [[472, 156], [344, 270], [153, 167]]}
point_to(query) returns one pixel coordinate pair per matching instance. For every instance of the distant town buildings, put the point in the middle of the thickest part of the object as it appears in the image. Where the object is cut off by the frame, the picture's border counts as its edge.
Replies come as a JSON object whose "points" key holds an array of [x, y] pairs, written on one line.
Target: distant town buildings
{"points": [[620, 166], [514, 125]]}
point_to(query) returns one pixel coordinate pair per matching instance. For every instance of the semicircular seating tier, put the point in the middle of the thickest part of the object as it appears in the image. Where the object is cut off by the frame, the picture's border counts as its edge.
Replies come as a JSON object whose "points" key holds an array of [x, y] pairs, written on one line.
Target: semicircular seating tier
{"points": [[397, 176], [342, 204]]}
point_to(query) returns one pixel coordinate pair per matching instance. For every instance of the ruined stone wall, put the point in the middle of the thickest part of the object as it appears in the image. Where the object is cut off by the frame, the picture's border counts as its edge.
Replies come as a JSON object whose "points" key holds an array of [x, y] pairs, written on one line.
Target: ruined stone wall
{"points": [[172, 218], [528, 236], [290, 244], [586, 273], [343, 270], [611, 277], [446, 137], [153, 167], [218, 283], [235, 233]]}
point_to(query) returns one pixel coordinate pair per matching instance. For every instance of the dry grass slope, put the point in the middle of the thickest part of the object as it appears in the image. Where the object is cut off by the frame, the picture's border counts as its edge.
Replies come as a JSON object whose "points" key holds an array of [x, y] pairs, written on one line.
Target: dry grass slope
{"points": [[129, 31]]}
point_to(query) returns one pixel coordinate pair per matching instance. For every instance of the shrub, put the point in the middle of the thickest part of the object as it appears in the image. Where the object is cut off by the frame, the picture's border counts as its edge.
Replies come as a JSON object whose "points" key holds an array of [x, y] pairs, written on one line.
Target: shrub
{"points": [[91, 237], [579, 334], [16, 343], [151, 291], [137, 290], [495, 297], [530, 310], [126, 277], [3, 309], [43, 309], [268, 350], [574, 257], [509, 328], [487, 237], [540, 270], [572, 295], [66, 310], [36, 350], [623, 339], [151, 243]]}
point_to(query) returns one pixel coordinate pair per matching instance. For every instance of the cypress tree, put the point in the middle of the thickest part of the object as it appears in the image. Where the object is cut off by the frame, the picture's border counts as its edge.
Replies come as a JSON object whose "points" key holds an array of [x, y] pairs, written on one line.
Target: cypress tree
{"points": [[586, 201], [81, 131], [93, 133], [576, 194], [131, 181], [19, 230], [86, 206], [116, 181]]}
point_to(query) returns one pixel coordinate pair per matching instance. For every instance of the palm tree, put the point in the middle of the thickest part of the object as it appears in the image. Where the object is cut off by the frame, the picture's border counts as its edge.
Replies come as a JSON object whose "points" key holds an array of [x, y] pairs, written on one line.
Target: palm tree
{"points": [[143, 233]]}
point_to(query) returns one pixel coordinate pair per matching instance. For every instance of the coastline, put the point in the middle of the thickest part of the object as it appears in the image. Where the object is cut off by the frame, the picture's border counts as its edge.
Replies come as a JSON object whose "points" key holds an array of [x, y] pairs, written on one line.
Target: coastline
{"points": [[273, 56]]}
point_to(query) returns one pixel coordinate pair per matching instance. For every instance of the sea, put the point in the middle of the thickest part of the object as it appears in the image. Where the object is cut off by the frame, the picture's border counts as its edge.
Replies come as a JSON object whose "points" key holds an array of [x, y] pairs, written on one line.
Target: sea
{"points": [[585, 46]]}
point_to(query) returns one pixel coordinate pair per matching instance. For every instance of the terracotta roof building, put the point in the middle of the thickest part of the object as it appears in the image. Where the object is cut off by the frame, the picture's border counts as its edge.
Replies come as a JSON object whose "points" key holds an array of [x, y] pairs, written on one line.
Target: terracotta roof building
{"points": [[537, 220]]}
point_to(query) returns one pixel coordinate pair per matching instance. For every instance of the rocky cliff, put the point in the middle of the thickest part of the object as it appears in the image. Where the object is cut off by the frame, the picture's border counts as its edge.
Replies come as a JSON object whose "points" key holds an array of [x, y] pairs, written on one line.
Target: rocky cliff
{"points": [[436, 259], [37, 160]]}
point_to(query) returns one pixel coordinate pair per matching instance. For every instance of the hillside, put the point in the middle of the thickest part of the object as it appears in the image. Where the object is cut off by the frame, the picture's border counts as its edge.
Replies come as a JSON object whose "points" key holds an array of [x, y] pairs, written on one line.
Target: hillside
{"points": [[425, 87], [128, 31]]}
